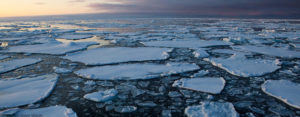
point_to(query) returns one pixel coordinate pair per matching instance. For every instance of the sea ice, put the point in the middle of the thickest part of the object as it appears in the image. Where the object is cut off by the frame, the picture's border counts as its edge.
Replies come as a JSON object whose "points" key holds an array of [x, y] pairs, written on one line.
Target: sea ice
{"points": [[61, 70], [52, 111], [186, 44], [206, 84], [18, 92], [200, 53], [272, 51], [102, 96], [211, 109], [125, 109], [74, 36], [17, 63], [135, 71], [56, 48], [3, 56], [119, 54], [284, 90], [239, 65]]}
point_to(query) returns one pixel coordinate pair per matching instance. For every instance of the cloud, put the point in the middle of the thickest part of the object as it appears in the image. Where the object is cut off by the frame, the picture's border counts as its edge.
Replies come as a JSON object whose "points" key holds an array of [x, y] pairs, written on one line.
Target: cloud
{"points": [[204, 7], [74, 1]]}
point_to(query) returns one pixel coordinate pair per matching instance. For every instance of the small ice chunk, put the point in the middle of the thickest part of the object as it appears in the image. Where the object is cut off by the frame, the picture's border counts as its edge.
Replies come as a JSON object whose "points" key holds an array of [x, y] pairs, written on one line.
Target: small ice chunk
{"points": [[239, 65], [61, 70], [56, 48], [52, 111], [201, 73], [135, 71], [211, 109], [125, 109], [284, 90], [272, 51], [186, 44], [17, 63], [119, 54], [102, 96], [18, 92], [75, 37], [200, 53], [207, 84]]}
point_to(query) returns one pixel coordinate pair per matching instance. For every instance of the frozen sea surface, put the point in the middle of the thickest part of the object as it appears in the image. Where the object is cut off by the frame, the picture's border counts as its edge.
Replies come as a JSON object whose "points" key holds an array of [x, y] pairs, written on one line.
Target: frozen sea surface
{"points": [[10, 65], [19, 92], [186, 44]]}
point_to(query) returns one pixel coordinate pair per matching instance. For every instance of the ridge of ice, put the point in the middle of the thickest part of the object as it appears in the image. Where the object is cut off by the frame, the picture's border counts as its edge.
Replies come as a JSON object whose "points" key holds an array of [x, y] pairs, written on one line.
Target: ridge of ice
{"points": [[18, 92]]}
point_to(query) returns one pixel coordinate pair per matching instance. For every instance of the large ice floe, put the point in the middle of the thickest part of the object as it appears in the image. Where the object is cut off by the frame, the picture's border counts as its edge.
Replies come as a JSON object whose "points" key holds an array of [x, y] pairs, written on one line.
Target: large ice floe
{"points": [[135, 71], [18, 92], [272, 51], [102, 96], [186, 44], [52, 111], [119, 54], [284, 90], [205, 84], [211, 109], [10, 65], [56, 48], [239, 65]]}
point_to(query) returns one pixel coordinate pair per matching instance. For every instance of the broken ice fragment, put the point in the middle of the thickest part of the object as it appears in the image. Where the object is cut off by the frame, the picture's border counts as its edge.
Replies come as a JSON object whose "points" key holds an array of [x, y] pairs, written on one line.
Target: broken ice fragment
{"points": [[135, 71], [75, 37], [119, 54], [18, 92], [102, 96], [10, 65], [52, 111], [125, 109], [186, 44], [284, 90], [206, 84], [61, 70], [211, 109], [200, 53], [3, 57]]}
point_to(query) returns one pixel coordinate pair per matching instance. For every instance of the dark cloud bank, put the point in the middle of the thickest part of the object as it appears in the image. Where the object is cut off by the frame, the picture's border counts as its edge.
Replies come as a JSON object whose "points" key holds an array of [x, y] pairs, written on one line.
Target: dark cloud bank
{"points": [[227, 8]]}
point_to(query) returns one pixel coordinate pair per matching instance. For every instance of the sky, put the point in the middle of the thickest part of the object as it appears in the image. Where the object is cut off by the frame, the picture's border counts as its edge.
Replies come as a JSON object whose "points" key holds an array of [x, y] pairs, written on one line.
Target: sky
{"points": [[234, 8]]}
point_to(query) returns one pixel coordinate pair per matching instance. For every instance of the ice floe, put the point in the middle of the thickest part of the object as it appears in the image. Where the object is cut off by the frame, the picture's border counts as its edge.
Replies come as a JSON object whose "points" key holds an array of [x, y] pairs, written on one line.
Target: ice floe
{"points": [[211, 109], [119, 54], [186, 44], [272, 51], [10, 65], [75, 37], [3, 57], [102, 96], [56, 48], [284, 90], [125, 109], [52, 111], [239, 65], [18, 92], [61, 70], [200, 53], [135, 71], [206, 84]]}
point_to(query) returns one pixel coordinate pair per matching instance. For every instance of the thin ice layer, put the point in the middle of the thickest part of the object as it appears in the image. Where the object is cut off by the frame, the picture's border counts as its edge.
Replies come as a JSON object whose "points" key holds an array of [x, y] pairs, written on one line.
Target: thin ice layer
{"points": [[207, 84], [18, 92], [119, 54], [102, 96], [211, 109], [7, 66], [284, 90], [56, 48], [272, 51], [135, 71], [241, 66], [186, 44], [52, 111]]}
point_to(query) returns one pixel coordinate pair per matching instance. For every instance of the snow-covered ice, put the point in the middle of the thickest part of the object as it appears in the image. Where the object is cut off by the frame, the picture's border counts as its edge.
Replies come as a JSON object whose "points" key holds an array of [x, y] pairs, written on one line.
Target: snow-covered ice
{"points": [[186, 44], [18, 92], [119, 54], [284, 90], [272, 51], [17, 63], [239, 65], [75, 37], [52, 111], [211, 109], [56, 48], [102, 96], [135, 71], [206, 84], [200, 53]]}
